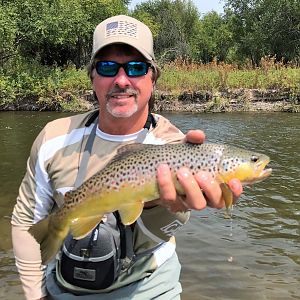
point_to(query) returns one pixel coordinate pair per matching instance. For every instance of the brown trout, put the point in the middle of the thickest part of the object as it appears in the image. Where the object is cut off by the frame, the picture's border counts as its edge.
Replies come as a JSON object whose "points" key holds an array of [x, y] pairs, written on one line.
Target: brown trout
{"points": [[129, 180]]}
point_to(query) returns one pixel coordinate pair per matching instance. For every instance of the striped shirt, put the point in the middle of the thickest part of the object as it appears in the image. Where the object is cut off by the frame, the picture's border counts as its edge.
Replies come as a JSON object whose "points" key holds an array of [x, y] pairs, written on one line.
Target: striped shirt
{"points": [[52, 170]]}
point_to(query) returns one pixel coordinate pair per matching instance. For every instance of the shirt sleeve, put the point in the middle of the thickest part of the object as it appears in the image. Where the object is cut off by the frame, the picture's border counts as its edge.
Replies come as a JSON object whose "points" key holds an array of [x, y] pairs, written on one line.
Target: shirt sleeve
{"points": [[28, 262], [26, 249]]}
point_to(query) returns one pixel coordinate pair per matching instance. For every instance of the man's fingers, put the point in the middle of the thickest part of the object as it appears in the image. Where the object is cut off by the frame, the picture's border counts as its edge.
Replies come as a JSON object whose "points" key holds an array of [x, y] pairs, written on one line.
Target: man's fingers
{"points": [[165, 183], [195, 136], [200, 190], [168, 195], [211, 189], [194, 197]]}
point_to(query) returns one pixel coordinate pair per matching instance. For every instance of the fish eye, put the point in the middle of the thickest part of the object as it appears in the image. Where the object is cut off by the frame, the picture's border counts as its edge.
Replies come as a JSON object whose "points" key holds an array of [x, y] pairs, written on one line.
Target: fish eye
{"points": [[254, 158]]}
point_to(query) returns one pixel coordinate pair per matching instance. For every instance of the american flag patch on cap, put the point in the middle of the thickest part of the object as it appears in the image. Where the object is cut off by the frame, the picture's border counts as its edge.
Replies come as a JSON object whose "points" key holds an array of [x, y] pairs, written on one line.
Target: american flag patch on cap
{"points": [[112, 25], [121, 28]]}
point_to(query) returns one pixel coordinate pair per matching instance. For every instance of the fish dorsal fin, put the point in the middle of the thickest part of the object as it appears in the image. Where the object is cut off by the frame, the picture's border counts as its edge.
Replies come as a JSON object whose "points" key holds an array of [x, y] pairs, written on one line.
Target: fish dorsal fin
{"points": [[131, 148], [82, 226], [130, 213], [125, 150], [68, 197]]}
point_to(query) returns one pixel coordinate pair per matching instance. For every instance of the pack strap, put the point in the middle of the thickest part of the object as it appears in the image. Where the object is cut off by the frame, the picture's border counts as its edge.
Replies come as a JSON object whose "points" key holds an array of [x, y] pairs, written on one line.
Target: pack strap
{"points": [[126, 238], [85, 157]]}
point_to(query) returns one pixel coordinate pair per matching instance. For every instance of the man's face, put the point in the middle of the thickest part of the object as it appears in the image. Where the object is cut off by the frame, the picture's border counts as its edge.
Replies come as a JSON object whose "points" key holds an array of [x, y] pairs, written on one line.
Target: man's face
{"points": [[122, 96]]}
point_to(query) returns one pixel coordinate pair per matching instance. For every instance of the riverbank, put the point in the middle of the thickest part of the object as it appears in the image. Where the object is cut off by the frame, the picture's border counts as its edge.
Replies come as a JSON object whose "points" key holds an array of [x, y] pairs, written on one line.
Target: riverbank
{"points": [[182, 86], [229, 100], [267, 100]]}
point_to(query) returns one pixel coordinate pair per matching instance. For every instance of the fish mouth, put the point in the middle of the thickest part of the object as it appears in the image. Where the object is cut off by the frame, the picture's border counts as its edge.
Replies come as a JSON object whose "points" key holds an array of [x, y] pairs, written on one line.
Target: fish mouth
{"points": [[263, 170]]}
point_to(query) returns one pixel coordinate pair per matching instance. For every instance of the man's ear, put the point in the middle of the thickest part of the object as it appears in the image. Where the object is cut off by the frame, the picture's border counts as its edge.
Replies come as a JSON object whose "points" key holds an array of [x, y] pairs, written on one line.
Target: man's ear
{"points": [[95, 96], [153, 86]]}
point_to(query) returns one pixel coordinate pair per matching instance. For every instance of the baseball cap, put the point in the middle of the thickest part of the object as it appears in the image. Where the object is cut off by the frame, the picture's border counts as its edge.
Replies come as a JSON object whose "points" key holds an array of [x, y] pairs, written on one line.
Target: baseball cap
{"points": [[123, 29]]}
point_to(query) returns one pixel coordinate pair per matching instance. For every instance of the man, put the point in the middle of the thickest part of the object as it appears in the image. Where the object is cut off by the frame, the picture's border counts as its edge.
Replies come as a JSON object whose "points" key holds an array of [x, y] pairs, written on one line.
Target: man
{"points": [[123, 74]]}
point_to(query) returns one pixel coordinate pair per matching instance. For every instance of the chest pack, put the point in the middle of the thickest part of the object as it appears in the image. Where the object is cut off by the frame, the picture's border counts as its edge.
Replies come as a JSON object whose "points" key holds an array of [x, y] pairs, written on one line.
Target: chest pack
{"points": [[95, 261]]}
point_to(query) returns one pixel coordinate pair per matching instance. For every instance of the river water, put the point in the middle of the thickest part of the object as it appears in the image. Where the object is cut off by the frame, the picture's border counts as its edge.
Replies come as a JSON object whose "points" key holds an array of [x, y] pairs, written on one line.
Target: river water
{"points": [[256, 255]]}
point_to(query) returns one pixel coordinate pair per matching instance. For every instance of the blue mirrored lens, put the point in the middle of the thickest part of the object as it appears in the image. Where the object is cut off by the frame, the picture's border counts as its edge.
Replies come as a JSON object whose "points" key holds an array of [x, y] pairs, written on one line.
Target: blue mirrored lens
{"points": [[107, 68], [132, 68], [136, 68]]}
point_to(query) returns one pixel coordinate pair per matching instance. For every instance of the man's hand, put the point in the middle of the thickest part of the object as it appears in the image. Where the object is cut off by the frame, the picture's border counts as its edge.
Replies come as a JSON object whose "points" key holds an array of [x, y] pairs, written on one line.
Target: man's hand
{"points": [[201, 190]]}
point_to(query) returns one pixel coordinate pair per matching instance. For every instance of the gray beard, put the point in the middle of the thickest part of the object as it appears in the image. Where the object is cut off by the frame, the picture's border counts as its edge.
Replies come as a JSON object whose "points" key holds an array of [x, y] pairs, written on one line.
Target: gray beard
{"points": [[123, 114]]}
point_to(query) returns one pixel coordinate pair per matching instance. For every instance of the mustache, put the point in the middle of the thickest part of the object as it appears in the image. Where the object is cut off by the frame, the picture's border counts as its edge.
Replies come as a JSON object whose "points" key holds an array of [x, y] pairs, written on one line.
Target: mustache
{"points": [[117, 89]]}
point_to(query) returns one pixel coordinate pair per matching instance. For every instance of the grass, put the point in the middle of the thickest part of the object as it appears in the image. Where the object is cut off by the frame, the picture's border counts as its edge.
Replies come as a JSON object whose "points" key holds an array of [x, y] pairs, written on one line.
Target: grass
{"points": [[24, 81], [62, 89], [180, 75]]}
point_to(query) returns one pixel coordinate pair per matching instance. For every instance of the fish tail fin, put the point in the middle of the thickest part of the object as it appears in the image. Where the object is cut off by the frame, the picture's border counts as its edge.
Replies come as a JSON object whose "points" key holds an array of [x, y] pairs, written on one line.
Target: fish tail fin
{"points": [[48, 236]]}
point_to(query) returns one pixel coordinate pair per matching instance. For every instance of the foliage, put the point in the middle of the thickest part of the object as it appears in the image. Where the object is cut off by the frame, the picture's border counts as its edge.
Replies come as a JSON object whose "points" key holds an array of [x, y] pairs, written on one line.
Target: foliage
{"points": [[212, 40], [146, 18], [36, 82], [60, 31], [181, 75], [248, 31], [44, 46], [8, 30], [265, 27], [177, 24], [64, 89]]}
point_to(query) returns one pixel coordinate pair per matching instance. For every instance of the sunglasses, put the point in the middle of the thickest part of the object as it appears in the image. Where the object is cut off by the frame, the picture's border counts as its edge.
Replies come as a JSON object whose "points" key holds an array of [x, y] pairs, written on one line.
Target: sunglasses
{"points": [[131, 68]]}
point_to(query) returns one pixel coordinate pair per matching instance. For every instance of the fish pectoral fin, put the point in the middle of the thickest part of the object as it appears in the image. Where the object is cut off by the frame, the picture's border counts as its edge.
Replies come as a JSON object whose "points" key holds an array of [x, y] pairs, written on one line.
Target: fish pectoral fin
{"points": [[83, 226], [227, 195], [130, 213]]}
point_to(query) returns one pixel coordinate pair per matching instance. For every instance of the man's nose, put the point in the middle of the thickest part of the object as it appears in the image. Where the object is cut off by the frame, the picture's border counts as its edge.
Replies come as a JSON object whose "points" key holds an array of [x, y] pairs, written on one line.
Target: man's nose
{"points": [[121, 79]]}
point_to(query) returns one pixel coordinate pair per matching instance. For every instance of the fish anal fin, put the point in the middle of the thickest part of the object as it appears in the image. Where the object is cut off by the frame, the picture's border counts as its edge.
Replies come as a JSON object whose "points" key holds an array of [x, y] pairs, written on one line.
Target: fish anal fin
{"points": [[48, 236], [130, 213], [82, 226], [40, 230]]}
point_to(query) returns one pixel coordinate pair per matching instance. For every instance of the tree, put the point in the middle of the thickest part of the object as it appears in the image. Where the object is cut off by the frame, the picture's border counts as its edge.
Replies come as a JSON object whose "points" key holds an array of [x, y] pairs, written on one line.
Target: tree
{"points": [[282, 38], [8, 29], [60, 31], [213, 39], [265, 27], [177, 24]]}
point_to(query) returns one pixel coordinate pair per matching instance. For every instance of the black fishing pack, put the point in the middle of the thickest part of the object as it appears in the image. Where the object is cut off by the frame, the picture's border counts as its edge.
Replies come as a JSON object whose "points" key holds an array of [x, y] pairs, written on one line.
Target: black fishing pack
{"points": [[95, 261]]}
